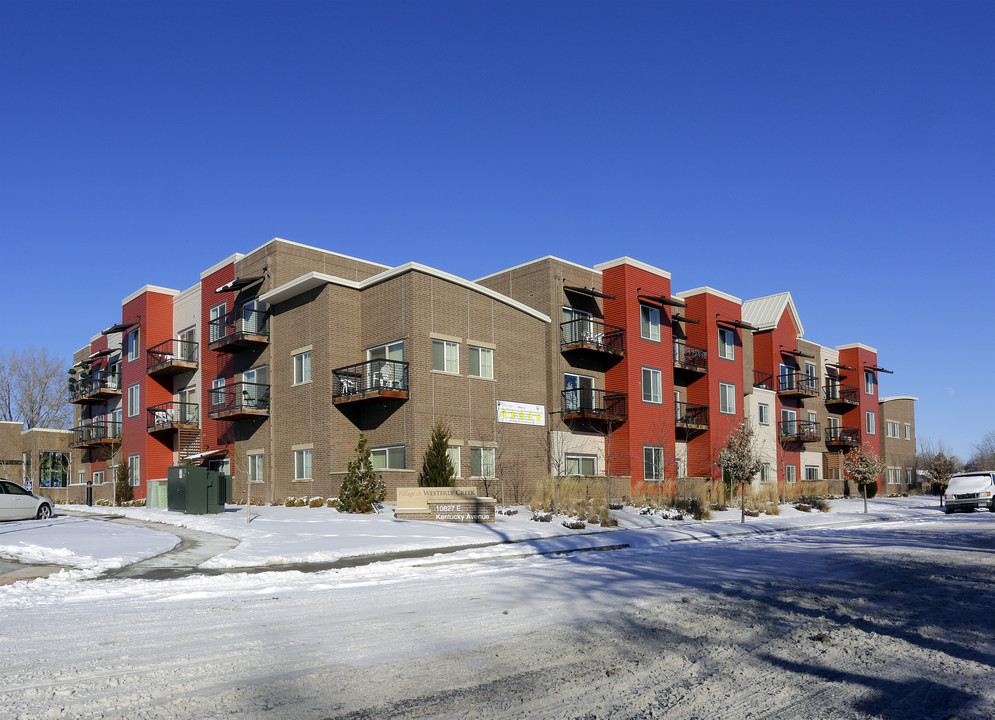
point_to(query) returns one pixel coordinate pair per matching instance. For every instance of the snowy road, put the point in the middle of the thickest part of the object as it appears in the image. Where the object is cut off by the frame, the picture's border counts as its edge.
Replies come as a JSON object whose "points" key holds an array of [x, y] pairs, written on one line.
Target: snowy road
{"points": [[891, 619]]}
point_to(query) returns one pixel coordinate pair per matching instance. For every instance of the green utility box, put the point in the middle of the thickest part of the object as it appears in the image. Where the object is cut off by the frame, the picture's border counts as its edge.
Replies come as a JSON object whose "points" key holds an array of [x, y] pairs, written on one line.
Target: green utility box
{"points": [[197, 490]]}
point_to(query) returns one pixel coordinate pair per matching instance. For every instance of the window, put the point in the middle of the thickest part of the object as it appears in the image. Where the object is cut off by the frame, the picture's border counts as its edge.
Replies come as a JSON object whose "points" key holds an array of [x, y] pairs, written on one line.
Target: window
{"points": [[79, 479], [98, 477], [870, 418], [134, 400], [132, 342], [256, 467], [869, 382], [894, 476], [763, 414], [217, 391], [53, 468], [388, 351], [791, 474], [134, 470], [187, 345], [765, 472], [578, 392], [217, 318], [649, 323], [253, 318], [445, 356], [302, 368], [727, 344], [811, 416], [581, 465], [302, 464], [679, 468], [789, 426], [453, 451], [482, 462], [908, 431], [652, 385], [577, 325], [811, 472], [481, 362], [727, 398], [388, 458], [908, 476], [652, 462], [255, 391]]}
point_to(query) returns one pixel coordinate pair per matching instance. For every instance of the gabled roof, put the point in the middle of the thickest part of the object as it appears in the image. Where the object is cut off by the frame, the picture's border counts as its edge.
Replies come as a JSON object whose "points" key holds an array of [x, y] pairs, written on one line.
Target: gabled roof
{"points": [[765, 313]]}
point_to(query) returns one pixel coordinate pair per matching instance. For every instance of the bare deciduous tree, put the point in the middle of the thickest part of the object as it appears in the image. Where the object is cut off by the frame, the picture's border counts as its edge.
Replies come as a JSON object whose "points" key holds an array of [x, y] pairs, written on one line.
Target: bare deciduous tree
{"points": [[983, 457], [33, 389], [740, 460], [864, 467], [938, 462]]}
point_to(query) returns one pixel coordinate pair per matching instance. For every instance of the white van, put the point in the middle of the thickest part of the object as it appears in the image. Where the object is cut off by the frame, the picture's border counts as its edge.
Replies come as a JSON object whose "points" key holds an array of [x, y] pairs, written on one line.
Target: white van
{"points": [[967, 491]]}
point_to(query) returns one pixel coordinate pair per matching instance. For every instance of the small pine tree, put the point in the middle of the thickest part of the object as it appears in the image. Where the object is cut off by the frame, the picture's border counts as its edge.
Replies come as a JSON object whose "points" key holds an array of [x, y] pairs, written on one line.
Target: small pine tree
{"points": [[124, 492], [864, 467], [362, 487], [437, 469]]}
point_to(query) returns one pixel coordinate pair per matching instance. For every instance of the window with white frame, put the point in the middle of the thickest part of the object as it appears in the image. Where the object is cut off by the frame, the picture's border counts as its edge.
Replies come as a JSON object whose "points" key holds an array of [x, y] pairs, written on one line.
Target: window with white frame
{"points": [[453, 451], [789, 426], [894, 476], [388, 458], [652, 385], [134, 400], [79, 479], [811, 472], [869, 382], [652, 462], [727, 344], [98, 477], [256, 467], [218, 391], [302, 367], [908, 476], [445, 356], [809, 371], [727, 398], [302, 464], [763, 414], [908, 431], [811, 416], [680, 467], [481, 362], [765, 472], [132, 341], [870, 421], [134, 470], [482, 462], [578, 325], [216, 332], [649, 323], [581, 465], [387, 351], [790, 474]]}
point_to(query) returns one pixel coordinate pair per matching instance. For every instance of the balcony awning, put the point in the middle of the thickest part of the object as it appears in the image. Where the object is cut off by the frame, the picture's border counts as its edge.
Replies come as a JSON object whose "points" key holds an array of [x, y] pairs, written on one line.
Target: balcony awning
{"points": [[796, 353], [663, 300], [205, 454], [587, 291], [120, 327], [238, 284], [880, 369], [735, 323], [840, 366], [681, 318], [99, 354]]}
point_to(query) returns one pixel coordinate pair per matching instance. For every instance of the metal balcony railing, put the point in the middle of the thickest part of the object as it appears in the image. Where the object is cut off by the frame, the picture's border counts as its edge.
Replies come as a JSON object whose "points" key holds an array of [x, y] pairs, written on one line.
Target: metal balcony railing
{"points": [[690, 357], [172, 415], [238, 401], [173, 356], [99, 385], [99, 432], [798, 384], [763, 380], [239, 329], [691, 415], [591, 404], [839, 394], [842, 436], [590, 334], [799, 431], [378, 378]]}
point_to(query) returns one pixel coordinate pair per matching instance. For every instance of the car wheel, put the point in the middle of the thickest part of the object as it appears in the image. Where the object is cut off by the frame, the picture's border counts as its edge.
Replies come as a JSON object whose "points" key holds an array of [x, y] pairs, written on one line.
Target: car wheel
{"points": [[948, 509], [991, 508], [44, 512]]}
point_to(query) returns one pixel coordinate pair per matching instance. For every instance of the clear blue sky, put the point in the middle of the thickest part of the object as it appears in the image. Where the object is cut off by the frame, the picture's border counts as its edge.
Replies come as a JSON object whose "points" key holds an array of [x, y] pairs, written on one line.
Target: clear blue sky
{"points": [[844, 151]]}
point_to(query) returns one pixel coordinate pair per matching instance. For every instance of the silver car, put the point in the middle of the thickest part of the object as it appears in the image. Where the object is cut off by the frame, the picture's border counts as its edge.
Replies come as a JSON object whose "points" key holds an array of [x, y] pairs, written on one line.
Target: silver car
{"points": [[16, 503]]}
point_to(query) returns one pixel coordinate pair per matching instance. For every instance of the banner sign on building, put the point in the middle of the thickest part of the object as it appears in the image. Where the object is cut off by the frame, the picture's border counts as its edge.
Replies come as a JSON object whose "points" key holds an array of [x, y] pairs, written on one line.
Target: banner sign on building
{"points": [[521, 413]]}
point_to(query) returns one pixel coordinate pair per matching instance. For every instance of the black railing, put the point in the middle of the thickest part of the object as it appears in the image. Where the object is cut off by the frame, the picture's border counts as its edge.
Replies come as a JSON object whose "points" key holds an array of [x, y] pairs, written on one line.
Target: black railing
{"points": [[842, 436], [589, 402], [691, 414], [763, 380], [798, 382], [170, 414], [251, 398], [593, 334], [799, 430], [99, 431], [96, 383], [369, 376], [690, 357], [239, 323], [838, 393], [172, 350]]}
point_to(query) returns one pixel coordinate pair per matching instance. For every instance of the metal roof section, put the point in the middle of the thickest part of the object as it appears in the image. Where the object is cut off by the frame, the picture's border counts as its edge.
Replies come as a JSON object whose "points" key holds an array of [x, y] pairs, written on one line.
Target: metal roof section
{"points": [[315, 279], [898, 397], [625, 260], [765, 312], [704, 289], [536, 261]]}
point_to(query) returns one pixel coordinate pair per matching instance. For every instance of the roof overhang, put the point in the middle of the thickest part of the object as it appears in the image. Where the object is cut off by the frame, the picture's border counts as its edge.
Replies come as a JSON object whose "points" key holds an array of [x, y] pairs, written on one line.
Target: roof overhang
{"points": [[238, 284], [662, 300], [120, 327], [587, 291]]}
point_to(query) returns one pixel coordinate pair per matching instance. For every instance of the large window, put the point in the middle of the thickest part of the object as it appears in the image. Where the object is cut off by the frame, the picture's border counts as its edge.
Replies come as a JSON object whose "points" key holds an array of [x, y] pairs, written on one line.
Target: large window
{"points": [[581, 465], [765, 473], [482, 462], [789, 424], [53, 468], [481, 362], [727, 344], [908, 431], [256, 467], [132, 342], [302, 464], [387, 351], [98, 477], [218, 391], [134, 470], [445, 356], [727, 398], [649, 323], [388, 458], [652, 385], [790, 474], [652, 462], [302, 367], [217, 314], [579, 326], [869, 382], [870, 422], [134, 400]]}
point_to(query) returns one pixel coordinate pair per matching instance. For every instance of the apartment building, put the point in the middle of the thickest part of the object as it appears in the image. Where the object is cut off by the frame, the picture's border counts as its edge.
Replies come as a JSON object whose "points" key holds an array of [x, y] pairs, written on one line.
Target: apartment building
{"points": [[272, 365]]}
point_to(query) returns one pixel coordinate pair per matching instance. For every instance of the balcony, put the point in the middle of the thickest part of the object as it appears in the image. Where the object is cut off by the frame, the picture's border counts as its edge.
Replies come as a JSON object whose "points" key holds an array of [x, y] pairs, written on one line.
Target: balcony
{"points": [[239, 401], [798, 431], [172, 358], [170, 416], [763, 380], [97, 388], [99, 433], [369, 381], [797, 385], [842, 438], [592, 336], [692, 419], [239, 330], [842, 396], [690, 358], [596, 406]]}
